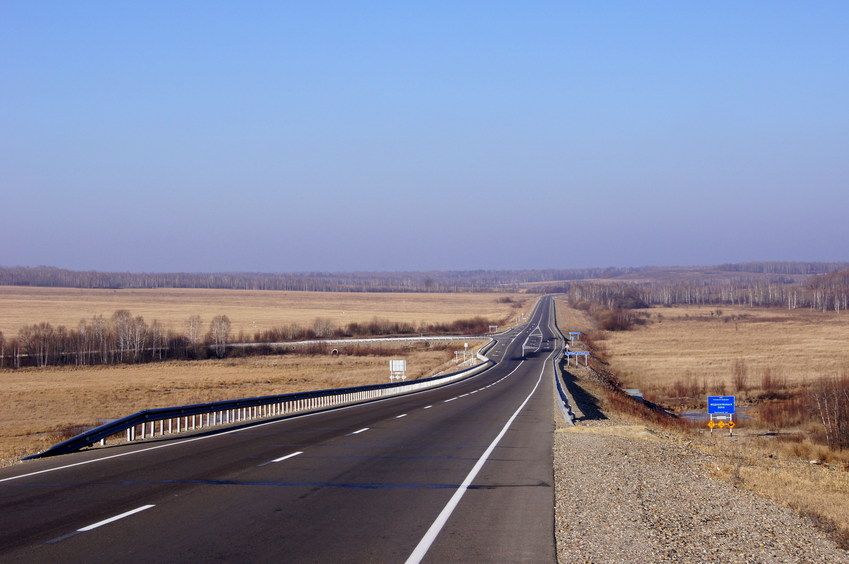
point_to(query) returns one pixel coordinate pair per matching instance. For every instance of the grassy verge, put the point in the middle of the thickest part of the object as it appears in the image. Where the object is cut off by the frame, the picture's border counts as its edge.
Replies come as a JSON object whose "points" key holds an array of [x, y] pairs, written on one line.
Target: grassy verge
{"points": [[776, 456]]}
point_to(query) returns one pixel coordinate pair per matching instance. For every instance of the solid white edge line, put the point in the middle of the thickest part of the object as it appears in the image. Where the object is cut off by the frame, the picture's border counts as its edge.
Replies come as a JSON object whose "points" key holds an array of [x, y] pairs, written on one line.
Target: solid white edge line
{"points": [[431, 534], [282, 458], [115, 518]]}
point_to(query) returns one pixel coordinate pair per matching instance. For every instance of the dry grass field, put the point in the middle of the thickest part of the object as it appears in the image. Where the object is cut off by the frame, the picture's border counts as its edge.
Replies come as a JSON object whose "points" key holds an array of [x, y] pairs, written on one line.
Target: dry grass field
{"points": [[249, 311], [701, 345], [697, 348]]}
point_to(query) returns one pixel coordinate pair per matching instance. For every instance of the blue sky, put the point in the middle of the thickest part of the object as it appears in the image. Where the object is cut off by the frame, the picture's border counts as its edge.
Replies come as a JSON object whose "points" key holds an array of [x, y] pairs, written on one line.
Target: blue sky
{"points": [[340, 136]]}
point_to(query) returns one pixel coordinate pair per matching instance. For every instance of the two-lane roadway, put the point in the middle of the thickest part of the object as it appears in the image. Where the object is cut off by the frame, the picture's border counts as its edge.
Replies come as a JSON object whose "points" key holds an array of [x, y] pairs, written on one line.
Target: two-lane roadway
{"points": [[458, 473]]}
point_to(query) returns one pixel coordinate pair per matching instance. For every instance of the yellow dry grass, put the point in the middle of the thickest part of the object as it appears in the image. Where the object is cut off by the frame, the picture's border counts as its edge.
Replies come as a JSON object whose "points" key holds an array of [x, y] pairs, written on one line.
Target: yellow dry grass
{"points": [[819, 491], [692, 342], [796, 345], [570, 319], [248, 310], [39, 405]]}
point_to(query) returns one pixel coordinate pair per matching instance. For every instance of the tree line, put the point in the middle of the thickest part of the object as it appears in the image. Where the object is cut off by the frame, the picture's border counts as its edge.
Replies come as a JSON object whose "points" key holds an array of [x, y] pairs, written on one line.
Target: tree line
{"points": [[120, 339], [761, 283], [127, 339], [826, 292], [433, 281]]}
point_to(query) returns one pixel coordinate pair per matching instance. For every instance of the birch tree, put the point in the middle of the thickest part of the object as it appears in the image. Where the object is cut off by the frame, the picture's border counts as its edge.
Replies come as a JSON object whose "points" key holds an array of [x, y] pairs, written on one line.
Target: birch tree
{"points": [[219, 334], [122, 325], [193, 328]]}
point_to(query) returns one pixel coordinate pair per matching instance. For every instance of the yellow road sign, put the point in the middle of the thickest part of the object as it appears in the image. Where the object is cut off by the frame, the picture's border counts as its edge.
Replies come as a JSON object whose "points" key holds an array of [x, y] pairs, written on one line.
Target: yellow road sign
{"points": [[711, 424], [722, 424], [731, 424]]}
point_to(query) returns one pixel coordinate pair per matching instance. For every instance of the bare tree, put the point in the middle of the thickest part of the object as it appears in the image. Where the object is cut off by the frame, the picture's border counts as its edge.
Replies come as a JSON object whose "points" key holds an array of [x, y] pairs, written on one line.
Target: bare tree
{"points": [[122, 326], [194, 326], [740, 375], [219, 334], [102, 337], [830, 398], [157, 340], [82, 340], [138, 337], [38, 341], [322, 327]]}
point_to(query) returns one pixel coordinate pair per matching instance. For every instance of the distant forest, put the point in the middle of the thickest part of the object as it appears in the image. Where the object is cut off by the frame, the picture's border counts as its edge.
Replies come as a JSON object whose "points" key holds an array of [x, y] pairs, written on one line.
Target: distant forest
{"points": [[436, 281], [609, 295], [815, 285]]}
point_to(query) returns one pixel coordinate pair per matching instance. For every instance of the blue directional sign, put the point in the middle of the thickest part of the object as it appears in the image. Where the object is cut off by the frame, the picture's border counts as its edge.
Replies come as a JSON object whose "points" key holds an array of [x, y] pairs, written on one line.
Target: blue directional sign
{"points": [[720, 404]]}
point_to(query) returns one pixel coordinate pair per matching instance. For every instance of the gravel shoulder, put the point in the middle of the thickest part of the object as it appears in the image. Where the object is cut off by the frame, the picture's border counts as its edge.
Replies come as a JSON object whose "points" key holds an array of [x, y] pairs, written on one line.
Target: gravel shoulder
{"points": [[625, 493]]}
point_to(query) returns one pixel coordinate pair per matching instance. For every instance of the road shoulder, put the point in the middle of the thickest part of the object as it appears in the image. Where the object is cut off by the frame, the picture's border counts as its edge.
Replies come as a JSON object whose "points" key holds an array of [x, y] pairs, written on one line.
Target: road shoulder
{"points": [[627, 493]]}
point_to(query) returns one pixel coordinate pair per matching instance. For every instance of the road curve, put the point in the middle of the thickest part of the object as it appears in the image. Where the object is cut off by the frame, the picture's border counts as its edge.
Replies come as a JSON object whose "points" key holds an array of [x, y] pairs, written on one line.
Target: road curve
{"points": [[458, 473]]}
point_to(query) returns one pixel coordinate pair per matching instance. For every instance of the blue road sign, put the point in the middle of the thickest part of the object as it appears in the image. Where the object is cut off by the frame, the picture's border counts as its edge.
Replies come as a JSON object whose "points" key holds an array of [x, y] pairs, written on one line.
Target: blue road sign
{"points": [[720, 404]]}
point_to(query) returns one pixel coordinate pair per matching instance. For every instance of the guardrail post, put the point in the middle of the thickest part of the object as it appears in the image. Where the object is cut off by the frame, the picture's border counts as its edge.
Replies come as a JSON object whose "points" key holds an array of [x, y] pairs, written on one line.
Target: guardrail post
{"points": [[231, 411]]}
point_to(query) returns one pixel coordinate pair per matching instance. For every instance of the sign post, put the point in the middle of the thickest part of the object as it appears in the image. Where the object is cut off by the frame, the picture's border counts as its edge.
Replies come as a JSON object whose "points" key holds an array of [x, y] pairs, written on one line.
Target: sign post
{"points": [[576, 354], [721, 410]]}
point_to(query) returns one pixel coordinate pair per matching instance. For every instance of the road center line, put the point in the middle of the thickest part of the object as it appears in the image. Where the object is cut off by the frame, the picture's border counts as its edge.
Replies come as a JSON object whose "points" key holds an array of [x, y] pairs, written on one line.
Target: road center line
{"points": [[431, 534], [402, 415], [115, 518], [282, 458], [363, 430]]}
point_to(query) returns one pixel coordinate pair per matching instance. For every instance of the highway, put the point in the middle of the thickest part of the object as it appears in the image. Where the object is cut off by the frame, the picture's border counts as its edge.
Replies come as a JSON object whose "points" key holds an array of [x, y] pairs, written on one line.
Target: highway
{"points": [[460, 473]]}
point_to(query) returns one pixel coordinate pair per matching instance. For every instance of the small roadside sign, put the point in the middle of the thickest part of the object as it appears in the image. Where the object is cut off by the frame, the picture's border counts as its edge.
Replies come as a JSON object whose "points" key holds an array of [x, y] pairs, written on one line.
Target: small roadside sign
{"points": [[720, 404], [721, 410], [397, 369]]}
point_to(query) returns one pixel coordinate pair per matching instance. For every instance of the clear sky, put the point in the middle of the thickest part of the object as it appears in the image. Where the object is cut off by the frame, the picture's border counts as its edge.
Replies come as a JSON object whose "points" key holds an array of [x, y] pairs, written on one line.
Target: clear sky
{"points": [[340, 136]]}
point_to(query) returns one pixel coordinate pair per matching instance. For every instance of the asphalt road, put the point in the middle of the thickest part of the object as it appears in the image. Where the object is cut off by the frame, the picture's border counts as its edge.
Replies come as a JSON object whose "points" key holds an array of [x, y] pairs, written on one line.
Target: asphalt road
{"points": [[461, 473]]}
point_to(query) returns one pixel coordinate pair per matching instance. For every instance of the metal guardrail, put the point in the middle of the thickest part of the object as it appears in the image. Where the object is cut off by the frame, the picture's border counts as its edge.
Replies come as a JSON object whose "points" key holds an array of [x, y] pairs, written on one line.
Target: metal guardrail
{"points": [[565, 398], [143, 425]]}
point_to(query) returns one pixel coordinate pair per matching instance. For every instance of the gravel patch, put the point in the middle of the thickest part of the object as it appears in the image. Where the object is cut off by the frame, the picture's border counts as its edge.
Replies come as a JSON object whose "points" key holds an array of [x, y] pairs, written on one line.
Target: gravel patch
{"points": [[627, 494]]}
